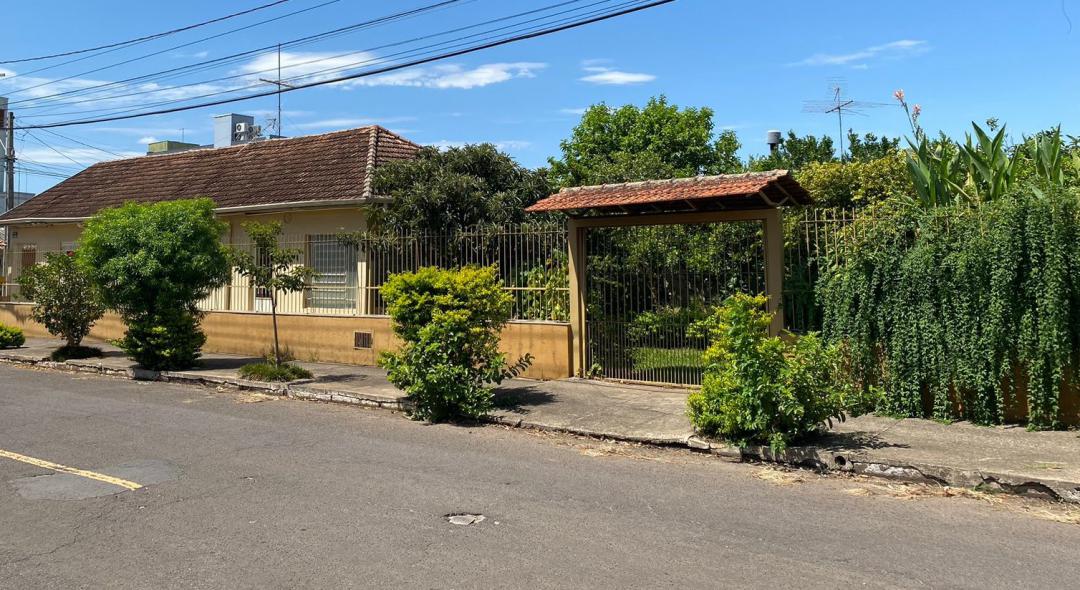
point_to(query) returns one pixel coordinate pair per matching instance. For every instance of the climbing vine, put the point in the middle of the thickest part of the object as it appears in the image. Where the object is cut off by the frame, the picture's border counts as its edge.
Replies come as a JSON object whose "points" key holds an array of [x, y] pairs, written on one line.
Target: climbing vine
{"points": [[946, 307]]}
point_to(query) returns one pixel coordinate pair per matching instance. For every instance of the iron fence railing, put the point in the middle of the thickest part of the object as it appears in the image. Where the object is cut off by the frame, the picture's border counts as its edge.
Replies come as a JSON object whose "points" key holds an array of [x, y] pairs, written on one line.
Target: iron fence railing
{"points": [[531, 260]]}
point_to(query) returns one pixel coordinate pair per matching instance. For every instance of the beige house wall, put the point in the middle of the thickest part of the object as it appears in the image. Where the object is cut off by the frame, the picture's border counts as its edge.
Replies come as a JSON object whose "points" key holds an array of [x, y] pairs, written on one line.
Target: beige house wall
{"points": [[241, 325], [329, 338]]}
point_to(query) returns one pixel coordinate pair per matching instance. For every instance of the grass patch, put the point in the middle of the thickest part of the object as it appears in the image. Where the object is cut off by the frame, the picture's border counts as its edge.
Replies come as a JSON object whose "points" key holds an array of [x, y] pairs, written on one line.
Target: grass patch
{"points": [[270, 372], [646, 358], [65, 353]]}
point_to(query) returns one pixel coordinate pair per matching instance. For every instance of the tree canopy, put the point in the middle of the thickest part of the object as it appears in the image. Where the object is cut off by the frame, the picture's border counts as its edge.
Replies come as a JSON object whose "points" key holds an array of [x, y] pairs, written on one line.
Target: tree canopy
{"points": [[446, 190], [630, 143]]}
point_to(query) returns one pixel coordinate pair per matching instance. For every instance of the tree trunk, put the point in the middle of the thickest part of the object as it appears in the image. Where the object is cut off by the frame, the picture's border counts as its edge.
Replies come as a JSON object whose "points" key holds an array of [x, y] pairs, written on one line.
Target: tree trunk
{"points": [[273, 316]]}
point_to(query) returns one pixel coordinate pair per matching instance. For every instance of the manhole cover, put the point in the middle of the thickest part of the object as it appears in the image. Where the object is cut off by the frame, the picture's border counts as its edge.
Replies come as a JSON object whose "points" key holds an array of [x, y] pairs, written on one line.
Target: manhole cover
{"points": [[464, 519]]}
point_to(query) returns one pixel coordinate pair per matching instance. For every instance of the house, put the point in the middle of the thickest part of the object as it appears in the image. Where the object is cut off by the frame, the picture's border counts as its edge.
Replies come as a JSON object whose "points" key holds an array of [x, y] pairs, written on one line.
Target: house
{"points": [[317, 186]]}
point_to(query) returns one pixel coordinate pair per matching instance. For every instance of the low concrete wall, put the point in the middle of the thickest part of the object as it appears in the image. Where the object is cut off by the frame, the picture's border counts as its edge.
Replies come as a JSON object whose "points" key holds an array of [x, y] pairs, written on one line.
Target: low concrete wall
{"points": [[330, 338]]}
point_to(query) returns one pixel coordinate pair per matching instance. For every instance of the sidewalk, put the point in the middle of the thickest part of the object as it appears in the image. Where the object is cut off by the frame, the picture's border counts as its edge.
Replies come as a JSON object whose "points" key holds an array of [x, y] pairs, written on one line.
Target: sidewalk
{"points": [[1004, 458]]}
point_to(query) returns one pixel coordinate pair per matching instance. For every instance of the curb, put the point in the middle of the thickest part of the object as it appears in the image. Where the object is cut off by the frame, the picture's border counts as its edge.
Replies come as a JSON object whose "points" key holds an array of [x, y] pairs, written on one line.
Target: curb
{"points": [[818, 459]]}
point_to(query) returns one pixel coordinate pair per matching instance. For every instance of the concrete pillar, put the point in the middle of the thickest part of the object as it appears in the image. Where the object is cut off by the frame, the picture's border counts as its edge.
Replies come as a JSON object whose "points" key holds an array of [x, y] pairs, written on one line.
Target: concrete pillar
{"points": [[774, 267], [575, 239]]}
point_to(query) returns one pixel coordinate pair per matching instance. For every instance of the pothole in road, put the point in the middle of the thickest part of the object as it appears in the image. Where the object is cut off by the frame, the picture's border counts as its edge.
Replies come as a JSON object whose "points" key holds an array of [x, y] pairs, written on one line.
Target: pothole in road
{"points": [[465, 519]]}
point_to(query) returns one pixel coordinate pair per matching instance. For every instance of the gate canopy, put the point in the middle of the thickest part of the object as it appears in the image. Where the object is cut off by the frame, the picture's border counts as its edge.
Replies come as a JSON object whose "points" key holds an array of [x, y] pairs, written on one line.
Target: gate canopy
{"points": [[725, 192]]}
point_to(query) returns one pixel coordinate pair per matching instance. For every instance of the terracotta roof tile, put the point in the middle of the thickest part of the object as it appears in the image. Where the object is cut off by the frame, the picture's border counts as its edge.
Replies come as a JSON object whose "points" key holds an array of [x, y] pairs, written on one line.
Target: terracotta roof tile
{"points": [[328, 167], [778, 185]]}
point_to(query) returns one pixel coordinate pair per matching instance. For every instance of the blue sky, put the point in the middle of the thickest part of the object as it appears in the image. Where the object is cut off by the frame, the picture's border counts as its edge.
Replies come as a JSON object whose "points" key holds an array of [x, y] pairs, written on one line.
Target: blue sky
{"points": [[753, 63]]}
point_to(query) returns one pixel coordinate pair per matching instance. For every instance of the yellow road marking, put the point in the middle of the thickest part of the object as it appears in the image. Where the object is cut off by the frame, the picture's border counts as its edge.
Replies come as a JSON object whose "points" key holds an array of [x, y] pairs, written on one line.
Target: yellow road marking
{"points": [[65, 469]]}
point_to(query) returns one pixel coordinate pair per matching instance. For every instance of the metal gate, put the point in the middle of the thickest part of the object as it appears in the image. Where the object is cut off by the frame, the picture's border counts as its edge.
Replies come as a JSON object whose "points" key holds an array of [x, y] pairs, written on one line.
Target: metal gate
{"points": [[646, 287]]}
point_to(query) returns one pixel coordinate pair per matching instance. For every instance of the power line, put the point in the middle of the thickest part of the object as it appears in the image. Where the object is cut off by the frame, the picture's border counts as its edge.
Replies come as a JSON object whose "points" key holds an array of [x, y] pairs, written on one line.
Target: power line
{"points": [[385, 58], [420, 51], [506, 41], [233, 57], [166, 50], [82, 143], [146, 38], [58, 152]]}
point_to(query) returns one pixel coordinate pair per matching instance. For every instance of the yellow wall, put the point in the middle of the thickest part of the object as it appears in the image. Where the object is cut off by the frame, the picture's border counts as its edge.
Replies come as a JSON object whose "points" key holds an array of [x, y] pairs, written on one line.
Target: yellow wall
{"points": [[330, 338]]}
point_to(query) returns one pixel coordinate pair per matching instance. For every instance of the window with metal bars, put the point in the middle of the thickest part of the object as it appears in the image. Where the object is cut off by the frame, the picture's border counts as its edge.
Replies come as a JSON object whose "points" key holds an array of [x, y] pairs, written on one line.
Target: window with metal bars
{"points": [[334, 287]]}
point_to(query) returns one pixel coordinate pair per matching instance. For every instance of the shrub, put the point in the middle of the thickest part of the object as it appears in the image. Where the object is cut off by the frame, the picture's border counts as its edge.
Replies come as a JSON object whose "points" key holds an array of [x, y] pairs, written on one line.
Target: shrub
{"points": [[65, 301], [273, 371], [153, 263], [761, 389], [165, 341], [449, 321], [11, 337], [65, 353], [860, 183]]}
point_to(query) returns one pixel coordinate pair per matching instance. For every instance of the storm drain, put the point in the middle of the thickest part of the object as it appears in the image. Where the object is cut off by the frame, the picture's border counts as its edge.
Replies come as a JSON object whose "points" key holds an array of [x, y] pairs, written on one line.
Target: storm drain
{"points": [[464, 519]]}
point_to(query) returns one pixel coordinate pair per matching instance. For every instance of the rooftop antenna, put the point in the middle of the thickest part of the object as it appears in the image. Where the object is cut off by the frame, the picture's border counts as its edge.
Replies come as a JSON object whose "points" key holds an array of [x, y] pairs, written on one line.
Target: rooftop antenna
{"points": [[280, 83], [839, 103]]}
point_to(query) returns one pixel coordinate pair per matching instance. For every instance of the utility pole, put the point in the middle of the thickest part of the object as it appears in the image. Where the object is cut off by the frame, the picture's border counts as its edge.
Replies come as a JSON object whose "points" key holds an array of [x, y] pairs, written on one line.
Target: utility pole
{"points": [[7, 122], [7, 119]]}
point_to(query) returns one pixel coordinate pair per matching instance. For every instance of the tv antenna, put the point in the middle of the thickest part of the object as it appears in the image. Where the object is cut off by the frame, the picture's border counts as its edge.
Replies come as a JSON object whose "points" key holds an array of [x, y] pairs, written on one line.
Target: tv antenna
{"points": [[280, 83], [840, 104]]}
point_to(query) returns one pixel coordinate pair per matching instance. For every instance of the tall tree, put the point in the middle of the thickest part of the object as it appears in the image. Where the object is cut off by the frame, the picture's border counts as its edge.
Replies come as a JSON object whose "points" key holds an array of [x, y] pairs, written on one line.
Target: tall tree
{"points": [[870, 147], [629, 143], [446, 190], [796, 152]]}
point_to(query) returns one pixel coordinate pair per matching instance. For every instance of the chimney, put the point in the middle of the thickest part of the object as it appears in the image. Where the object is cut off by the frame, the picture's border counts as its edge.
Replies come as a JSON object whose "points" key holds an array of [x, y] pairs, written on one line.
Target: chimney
{"points": [[234, 129]]}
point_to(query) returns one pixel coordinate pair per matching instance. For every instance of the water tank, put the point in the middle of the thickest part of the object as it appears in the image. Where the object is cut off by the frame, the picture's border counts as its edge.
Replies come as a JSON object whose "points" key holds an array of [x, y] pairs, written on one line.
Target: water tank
{"points": [[772, 137]]}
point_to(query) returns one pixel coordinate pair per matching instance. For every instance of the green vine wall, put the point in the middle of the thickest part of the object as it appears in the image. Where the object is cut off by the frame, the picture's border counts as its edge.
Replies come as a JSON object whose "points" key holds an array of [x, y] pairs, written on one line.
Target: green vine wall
{"points": [[939, 307]]}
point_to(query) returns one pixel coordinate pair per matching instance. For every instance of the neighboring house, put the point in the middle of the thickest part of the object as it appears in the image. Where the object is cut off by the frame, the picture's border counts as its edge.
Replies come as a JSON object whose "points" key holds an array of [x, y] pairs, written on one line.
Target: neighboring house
{"points": [[20, 198], [315, 185]]}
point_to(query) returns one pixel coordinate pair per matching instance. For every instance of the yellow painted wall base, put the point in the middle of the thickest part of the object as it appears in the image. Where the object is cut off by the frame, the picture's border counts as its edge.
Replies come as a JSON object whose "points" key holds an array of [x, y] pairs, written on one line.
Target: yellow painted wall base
{"points": [[329, 339]]}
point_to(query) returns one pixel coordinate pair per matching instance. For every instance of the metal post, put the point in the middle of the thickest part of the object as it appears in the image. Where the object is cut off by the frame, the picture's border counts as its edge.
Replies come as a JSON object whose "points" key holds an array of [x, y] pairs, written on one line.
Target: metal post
{"points": [[9, 179]]}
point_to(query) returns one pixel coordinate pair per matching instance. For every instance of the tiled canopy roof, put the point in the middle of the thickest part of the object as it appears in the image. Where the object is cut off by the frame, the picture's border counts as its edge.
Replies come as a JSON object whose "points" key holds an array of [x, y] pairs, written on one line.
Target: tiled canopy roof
{"points": [[316, 168], [755, 190]]}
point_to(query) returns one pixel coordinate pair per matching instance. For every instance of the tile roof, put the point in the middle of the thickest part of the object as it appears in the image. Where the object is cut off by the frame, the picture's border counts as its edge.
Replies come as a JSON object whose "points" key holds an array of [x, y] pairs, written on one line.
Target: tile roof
{"points": [[699, 192], [333, 166]]}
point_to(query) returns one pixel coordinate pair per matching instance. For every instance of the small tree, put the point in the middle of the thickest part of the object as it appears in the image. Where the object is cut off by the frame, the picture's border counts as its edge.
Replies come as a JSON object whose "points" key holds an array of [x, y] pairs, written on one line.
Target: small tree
{"points": [[272, 268], [66, 302], [152, 264], [449, 321]]}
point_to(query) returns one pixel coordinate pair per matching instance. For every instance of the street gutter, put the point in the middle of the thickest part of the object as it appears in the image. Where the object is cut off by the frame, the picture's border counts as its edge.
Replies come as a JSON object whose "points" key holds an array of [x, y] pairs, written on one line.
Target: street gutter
{"points": [[807, 457]]}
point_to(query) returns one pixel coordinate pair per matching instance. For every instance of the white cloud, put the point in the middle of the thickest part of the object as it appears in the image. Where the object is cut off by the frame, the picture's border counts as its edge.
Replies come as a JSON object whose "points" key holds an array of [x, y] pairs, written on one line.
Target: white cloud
{"points": [[344, 123], [454, 76], [84, 156], [575, 111], [857, 59], [609, 76], [148, 139], [305, 67]]}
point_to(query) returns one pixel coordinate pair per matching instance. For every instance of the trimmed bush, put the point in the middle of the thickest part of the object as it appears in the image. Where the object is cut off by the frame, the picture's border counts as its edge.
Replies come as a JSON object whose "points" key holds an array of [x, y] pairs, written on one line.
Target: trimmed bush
{"points": [[271, 371], [164, 341], [761, 389], [153, 264], [11, 337], [450, 322], [65, 301]]}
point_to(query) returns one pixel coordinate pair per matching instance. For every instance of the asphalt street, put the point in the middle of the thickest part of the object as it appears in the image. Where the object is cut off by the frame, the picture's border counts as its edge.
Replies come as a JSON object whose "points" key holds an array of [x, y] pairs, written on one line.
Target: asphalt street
{"points": [[112, 483]]}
